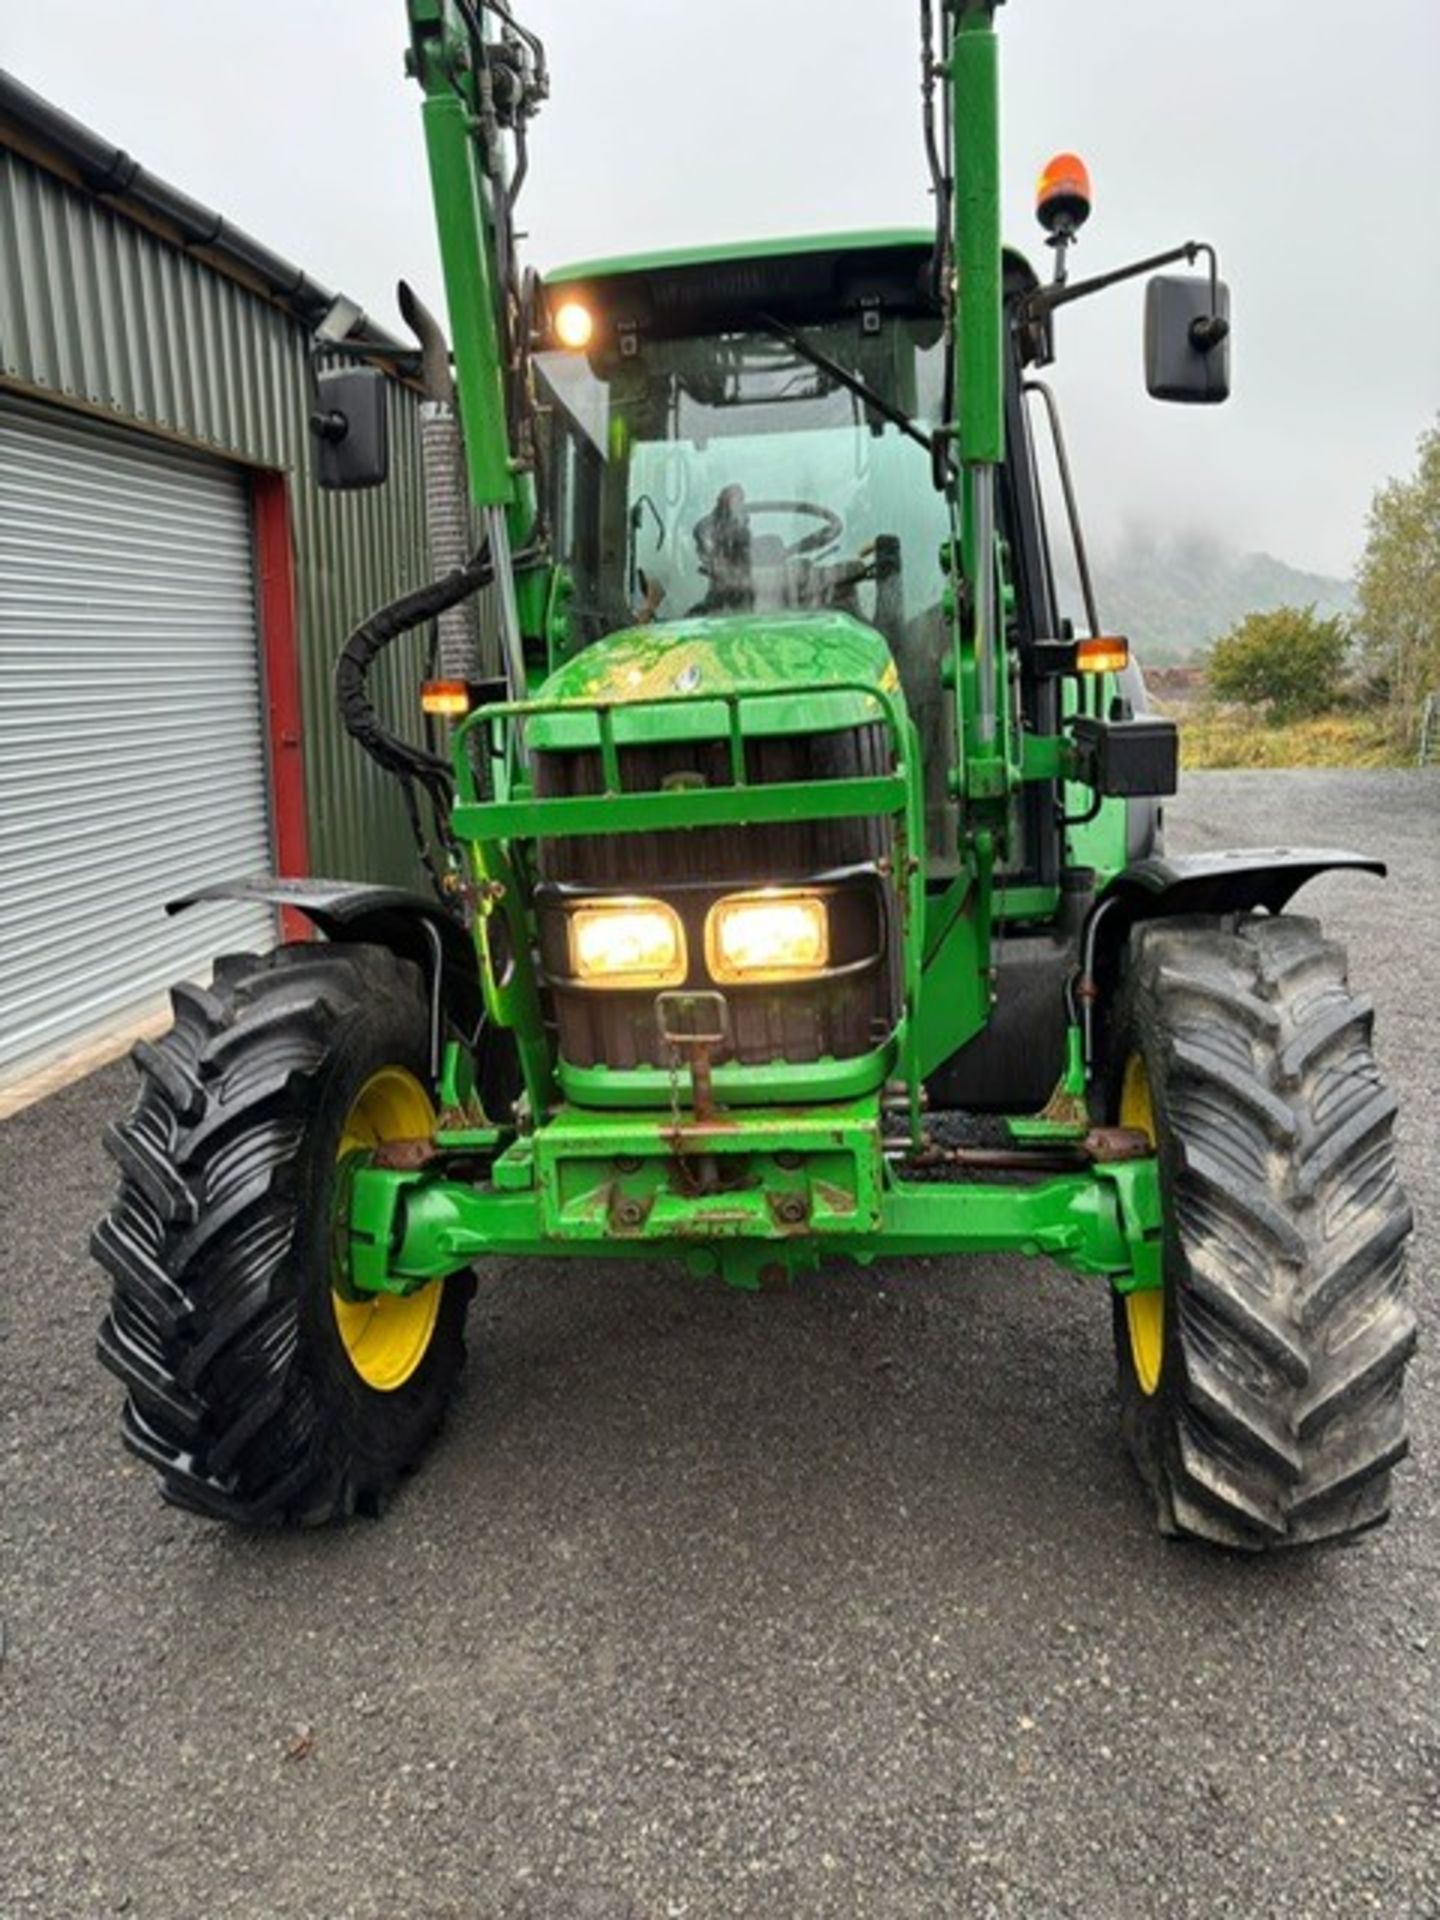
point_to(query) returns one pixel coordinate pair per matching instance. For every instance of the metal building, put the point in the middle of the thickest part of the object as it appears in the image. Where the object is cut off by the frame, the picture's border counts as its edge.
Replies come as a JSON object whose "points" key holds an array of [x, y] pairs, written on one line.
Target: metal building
{"points": [[173, 591]]}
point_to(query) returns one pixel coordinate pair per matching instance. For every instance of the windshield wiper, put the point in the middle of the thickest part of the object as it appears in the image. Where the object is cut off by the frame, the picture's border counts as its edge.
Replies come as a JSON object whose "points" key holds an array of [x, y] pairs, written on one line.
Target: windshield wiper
{"points": [[850, 381]]}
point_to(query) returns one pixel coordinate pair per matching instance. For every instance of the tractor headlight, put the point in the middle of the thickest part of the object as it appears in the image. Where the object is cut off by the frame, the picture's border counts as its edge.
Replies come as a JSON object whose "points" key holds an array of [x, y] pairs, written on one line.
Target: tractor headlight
{"points": [[773, 934], [627, 942]]}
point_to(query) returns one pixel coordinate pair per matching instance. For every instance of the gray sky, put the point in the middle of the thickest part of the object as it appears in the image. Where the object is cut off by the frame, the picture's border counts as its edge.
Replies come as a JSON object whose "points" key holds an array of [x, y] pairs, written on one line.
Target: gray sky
{"points": [[1302, 136]]}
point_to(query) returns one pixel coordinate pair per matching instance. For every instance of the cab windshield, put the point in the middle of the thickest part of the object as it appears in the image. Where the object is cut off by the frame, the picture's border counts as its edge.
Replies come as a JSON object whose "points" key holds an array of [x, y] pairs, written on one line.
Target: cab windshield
{"points": [[727, 474]]}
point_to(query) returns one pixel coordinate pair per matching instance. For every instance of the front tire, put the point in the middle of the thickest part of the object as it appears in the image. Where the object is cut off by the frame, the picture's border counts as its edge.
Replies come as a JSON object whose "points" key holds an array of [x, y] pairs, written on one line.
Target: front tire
{"points": [[259, 1395], [1261, 1392]]}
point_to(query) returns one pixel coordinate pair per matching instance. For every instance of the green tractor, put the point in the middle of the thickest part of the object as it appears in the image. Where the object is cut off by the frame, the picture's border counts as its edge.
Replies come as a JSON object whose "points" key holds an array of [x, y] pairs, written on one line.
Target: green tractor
{"points": [[799, 882]]}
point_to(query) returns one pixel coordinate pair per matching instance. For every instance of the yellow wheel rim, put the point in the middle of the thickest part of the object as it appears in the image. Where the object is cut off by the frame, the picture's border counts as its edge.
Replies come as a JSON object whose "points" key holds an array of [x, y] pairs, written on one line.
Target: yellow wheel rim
{"points": [[388, 1336], [1144, 1311]]}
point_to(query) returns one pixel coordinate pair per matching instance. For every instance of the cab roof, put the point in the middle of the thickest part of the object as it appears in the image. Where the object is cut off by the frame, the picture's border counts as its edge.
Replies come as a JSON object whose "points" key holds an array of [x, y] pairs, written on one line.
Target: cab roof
{"points": [[730, 250], [690, 290]]}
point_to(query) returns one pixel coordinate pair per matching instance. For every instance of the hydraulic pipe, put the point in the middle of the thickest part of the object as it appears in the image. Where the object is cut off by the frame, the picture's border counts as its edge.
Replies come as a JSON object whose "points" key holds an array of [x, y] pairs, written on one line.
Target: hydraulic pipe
{"points": [[512, 643]]}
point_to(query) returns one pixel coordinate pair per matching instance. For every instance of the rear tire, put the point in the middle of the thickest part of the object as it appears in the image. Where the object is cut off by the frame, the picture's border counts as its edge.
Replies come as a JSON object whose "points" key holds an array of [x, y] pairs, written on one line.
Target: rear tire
{"points": [[243, 1392], [1270, 1412]]}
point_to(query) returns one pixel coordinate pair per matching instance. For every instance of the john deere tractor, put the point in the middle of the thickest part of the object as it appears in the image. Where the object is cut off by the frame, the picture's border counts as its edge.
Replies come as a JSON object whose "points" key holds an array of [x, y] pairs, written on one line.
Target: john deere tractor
{"points": [[799, 889]]}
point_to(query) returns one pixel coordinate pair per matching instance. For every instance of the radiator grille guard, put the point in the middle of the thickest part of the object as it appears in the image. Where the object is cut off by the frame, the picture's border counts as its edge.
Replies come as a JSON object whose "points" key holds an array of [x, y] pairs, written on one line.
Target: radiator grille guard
{"points": [[689, 821], [848, 1012]]}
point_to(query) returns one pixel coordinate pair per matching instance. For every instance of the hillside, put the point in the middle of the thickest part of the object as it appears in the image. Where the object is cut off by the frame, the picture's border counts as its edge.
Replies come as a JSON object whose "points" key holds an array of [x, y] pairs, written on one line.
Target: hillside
{"points": [[1174, 597]]}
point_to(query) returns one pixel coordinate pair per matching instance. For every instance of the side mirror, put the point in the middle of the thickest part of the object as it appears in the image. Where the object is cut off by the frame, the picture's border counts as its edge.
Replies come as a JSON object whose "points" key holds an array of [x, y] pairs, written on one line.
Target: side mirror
{"points": [[1187, 339], [351, 427]]}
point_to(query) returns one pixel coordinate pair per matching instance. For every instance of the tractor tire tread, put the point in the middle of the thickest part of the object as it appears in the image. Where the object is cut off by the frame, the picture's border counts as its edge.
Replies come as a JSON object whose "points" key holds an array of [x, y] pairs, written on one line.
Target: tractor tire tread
{"points": [[1279, 1416], [202, 1326]]}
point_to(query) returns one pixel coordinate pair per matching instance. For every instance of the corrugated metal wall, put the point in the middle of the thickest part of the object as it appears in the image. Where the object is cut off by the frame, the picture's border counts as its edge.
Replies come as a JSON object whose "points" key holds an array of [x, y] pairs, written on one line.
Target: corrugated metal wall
{"points": [[132, 738], [97, 310]]}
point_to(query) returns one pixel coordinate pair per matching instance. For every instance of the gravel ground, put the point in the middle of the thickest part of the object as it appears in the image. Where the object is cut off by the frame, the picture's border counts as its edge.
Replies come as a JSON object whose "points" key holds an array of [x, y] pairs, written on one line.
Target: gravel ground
{"points": [[834, 1602]]}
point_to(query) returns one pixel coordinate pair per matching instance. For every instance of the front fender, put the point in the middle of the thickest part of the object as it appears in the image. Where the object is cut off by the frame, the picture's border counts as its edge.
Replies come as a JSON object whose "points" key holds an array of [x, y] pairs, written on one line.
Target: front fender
{"points": [[409, 924], [1237, 880]]}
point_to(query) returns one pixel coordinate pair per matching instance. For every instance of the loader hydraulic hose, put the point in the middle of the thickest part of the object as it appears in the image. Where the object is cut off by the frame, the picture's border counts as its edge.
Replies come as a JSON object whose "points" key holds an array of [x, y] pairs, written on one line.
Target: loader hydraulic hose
{"points": [[407, 763], [370, 638]]}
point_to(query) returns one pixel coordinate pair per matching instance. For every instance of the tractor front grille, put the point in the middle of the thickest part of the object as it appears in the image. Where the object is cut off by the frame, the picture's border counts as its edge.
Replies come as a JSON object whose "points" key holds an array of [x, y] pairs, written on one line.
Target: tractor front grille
{"points": [[846, 1013]]}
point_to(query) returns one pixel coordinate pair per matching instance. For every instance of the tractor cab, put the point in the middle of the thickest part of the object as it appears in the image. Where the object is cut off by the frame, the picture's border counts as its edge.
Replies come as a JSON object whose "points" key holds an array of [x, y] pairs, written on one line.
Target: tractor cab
{"points": [[707, 455], [742, 435]]}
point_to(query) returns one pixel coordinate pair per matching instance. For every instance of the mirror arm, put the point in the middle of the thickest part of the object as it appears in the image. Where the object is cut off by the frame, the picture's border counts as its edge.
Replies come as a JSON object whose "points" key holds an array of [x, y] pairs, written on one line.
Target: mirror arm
{"points": [[1037, 307]]}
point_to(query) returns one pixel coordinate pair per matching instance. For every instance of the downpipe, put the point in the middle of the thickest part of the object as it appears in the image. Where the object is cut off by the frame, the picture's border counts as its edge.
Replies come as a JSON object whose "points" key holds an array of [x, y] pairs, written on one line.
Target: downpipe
{"points": [[448, 536]]}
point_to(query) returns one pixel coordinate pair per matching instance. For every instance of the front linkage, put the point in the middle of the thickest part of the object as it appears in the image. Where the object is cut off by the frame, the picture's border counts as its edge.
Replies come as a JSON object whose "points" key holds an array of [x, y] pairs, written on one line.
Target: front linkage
{"points": [[754, 1199]]}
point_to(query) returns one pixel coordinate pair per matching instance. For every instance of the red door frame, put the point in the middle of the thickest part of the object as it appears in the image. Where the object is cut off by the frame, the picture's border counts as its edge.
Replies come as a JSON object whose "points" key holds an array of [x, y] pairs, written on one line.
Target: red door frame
{"points": [[275, 583]]}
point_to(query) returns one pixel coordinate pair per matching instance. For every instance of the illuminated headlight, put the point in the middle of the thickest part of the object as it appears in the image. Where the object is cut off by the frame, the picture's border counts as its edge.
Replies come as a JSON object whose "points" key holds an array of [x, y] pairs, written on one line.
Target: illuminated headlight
{"points": [[771, 935], [627, 942]]}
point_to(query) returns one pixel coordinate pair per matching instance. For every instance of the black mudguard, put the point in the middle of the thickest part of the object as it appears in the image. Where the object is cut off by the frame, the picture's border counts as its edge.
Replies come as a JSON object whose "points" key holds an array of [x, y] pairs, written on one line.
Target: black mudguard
{"points": [[409, 924], [1012, 1064], [1238, 880]]}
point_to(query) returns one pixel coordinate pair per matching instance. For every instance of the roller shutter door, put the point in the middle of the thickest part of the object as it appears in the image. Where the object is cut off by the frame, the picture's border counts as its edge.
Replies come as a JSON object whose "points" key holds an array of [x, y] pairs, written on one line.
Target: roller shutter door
{"points": [[132, 747]]}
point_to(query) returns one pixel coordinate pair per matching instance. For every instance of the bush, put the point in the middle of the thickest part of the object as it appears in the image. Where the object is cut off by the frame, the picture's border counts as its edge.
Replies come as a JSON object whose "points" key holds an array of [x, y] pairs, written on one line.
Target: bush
{"points": [[1289, 661]]}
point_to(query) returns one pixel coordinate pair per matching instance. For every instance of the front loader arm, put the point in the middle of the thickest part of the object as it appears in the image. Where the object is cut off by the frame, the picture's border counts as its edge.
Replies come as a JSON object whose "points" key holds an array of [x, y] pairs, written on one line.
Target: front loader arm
{"points": [[481, 88], [971, 261], [970, 68], [464, 173]]}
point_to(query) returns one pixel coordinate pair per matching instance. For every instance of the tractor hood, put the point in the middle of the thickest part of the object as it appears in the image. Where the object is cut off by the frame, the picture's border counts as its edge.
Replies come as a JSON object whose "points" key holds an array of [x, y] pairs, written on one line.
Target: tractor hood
{"points": [[808, 671]]}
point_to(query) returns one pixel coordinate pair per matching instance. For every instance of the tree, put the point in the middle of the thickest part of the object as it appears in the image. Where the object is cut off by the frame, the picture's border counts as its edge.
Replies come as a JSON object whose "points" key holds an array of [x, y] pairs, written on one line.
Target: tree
{"points": [[1398, 625], [1289, 661]]}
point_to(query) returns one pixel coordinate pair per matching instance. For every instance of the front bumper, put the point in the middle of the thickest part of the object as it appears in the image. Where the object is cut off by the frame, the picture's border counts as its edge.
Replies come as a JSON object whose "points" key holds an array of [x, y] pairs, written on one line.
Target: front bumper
{"points": [[751, 1196]]}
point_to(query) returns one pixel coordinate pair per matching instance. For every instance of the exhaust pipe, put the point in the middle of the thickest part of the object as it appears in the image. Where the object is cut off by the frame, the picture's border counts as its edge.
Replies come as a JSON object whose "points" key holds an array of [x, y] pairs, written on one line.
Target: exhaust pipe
{"points": [[449, 539]]}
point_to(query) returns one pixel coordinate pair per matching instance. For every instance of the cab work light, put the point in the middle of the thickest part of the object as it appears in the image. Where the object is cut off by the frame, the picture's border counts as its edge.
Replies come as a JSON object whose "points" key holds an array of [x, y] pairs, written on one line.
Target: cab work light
{"points": [[627, 941], [573, 323], [769, 935]]}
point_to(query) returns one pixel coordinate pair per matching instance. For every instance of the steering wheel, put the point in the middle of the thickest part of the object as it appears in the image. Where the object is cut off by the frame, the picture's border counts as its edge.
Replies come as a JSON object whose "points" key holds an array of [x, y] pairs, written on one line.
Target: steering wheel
{"points": [[819, 539]]}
